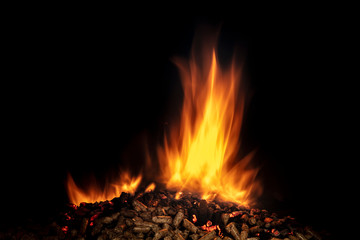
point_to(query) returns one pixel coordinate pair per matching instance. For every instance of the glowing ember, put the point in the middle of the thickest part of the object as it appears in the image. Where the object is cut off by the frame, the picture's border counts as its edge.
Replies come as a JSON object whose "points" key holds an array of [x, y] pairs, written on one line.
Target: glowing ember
{"points": [[73, 206], [65, 229], [200, 155], [210, 228], [234, 214], [94, 217], [194, 219], [178, 195], [67, 217]]}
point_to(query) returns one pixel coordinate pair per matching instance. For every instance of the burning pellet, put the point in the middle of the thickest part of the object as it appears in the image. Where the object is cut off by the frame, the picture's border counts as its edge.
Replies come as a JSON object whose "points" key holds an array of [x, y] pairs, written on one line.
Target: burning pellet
{"points": [[178, 218], [162, 219], [275, 232], [231, 228], [210, 236], [141, 229], [167, 238], [225, 218], [300, 236], [139, 206], [160, 234], [190, 226], [236, 213]]}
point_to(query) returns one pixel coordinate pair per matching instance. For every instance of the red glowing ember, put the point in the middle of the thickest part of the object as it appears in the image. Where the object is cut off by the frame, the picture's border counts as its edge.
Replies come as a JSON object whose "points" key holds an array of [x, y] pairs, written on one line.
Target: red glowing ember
{"points": [[194, 219], [234, 214], [65, 229]]}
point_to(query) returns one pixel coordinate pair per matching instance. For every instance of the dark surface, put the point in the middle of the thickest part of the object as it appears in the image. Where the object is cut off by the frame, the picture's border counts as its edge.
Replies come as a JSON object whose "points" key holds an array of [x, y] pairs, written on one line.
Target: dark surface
{"points": [[86, 92]]}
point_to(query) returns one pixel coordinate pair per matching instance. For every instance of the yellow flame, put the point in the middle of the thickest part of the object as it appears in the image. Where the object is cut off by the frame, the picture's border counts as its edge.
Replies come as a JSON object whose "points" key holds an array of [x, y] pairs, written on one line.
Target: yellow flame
{"points": [[200, 155], [96, 194], [150, 188]]}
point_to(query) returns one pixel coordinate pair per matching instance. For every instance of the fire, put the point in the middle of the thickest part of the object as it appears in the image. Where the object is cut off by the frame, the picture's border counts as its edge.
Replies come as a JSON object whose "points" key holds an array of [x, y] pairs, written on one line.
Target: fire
{"points": [[200, 155], [194, 218], [150, 188], [125, 183]]}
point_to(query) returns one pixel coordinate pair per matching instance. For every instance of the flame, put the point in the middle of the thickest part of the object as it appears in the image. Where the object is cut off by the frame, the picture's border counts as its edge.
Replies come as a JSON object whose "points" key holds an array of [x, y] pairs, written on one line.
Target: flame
{"points": [[150, 188], [194, 219], [125, 183], [200, 154]]}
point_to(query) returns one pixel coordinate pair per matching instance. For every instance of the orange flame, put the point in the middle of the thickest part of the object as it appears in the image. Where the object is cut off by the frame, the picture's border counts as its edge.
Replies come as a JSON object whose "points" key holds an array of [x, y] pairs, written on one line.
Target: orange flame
{"points": [[194, 218], [200, 155], [150, 188], [95, 194]]}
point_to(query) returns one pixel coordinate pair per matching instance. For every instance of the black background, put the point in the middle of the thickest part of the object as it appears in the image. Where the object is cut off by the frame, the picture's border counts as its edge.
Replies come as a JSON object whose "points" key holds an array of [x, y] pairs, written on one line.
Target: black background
{"points": [[86, 90]]}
